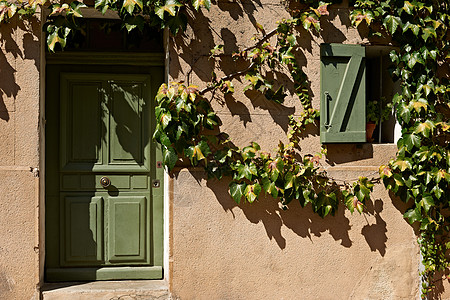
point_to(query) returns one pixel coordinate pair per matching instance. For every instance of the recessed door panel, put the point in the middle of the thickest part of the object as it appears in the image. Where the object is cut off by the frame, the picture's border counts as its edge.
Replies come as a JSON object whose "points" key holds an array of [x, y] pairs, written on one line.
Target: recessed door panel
{"points": [[126, 138], [127, 229], [82, 239]]}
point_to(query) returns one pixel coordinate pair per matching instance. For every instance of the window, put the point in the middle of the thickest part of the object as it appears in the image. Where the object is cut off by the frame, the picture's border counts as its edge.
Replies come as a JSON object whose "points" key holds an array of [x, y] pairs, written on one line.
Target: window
{"points": [[351, 77]]}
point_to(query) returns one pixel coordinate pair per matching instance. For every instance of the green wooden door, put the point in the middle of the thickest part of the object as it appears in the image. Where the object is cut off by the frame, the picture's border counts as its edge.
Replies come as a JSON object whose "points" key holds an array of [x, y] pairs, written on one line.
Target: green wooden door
{"points": [[99, 127]]}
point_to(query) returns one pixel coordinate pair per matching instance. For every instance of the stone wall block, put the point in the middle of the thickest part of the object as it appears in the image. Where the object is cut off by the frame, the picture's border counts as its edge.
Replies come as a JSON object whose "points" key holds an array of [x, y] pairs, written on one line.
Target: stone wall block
{"points": [[18, 268], [7, 134], [27, 118], [245, 128]]}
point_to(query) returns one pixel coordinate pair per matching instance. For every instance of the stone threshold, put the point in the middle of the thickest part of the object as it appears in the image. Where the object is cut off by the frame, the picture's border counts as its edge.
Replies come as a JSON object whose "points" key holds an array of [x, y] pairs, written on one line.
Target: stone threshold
{"points": [[107, 290]]}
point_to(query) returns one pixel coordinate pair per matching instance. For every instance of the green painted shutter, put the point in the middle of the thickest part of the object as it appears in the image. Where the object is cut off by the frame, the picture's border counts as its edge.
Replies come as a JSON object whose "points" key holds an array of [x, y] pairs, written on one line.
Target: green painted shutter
{"points": [[343, 89]]}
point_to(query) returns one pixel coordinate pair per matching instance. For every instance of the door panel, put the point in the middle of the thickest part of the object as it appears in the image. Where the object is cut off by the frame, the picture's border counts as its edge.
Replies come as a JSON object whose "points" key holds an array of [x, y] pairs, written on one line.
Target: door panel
{"points": [[83, 231], [127, 229], [105, 125], [126, 136]]}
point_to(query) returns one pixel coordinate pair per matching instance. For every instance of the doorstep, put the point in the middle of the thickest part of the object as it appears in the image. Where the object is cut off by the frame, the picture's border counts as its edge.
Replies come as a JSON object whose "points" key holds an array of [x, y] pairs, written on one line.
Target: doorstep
{"points": [[107, 290]]}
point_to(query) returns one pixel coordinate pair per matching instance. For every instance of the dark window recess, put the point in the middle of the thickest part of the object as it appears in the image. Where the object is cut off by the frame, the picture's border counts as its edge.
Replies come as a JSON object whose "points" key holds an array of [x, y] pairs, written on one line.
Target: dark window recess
{"points": [[110, 36], [380, 86]]}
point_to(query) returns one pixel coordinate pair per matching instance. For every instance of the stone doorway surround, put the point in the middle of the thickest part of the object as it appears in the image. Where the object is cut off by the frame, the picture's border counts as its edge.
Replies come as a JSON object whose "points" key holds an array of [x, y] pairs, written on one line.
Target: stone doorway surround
{"points": [[107, 290]]}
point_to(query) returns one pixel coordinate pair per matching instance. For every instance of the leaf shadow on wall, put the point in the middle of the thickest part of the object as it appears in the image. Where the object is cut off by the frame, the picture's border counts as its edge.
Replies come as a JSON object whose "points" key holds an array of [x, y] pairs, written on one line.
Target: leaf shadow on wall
{"points": [[302, 221], [11, 54], [375, 234], [8, 86]]}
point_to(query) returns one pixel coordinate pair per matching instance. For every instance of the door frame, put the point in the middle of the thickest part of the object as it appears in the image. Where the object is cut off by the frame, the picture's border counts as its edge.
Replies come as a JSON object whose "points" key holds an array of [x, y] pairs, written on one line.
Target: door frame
{"points": [[128, 59]]}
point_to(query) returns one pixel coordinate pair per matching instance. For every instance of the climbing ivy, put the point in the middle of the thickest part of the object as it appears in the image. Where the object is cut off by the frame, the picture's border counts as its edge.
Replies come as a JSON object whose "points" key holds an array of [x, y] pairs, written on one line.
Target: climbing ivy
{"points": [[188, 128], [419, 174]]}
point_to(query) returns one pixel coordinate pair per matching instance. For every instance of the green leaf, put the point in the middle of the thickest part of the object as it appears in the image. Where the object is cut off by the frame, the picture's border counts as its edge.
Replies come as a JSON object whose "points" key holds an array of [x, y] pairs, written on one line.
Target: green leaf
{"points": [[252, 191], [129, 5], [427, 32], [292, 40], [75, 7], [246, 170], [403, 164], [134, 22], [404, 112], [411, 140], [170, 6], [413, 215], [198, 3], [289, 180], [408, 8], [170, 157], [427, 202], [237, 191], [391, 23], [165, 119]]}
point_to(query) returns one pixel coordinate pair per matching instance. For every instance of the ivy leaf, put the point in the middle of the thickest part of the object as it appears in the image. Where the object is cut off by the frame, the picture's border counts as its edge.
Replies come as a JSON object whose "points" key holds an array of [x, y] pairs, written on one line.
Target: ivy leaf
{"points": [[413, 215], [289, 181], [391, 23], [176, 23], [55, 37], [403, 165], [404, 112], [419, 105], [252, 191], [427, 32], [200, 151], [75, 7], [165, 119], [237, 191], [246, 170], [437, 191], [291, 40], [129, 5], [170, 6], [408, 8], [411, 140], [198, 3], [134, 22], [425, 128], [170, 157], [427, 202]]}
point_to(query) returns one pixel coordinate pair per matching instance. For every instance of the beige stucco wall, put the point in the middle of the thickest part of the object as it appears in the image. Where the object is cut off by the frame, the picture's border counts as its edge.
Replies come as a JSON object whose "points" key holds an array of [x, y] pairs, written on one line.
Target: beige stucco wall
{"points": [[218, 250], [19, 153], [257, 251]]}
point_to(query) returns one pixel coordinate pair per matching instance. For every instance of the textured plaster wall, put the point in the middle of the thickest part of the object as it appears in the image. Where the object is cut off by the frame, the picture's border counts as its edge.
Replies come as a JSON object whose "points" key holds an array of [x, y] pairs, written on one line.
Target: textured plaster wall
{"points": [[19, 151], [257, 251]]}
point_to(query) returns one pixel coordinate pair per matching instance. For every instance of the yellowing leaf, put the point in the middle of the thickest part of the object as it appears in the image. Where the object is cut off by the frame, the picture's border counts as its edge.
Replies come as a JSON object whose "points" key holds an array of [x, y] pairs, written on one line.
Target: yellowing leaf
{"points": [[403, 165], [425, 128], [419, 104], [129, 5], [385, 171]]}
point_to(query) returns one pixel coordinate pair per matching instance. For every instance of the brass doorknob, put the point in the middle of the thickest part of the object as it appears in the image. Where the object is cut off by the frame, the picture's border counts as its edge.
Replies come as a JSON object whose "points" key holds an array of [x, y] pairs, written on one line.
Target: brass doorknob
{"points": [[105, 181]]}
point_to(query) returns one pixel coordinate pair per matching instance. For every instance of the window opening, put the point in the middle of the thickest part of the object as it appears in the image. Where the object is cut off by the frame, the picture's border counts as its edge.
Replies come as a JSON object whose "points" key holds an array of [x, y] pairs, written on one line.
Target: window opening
{"points": [[381, 88]]}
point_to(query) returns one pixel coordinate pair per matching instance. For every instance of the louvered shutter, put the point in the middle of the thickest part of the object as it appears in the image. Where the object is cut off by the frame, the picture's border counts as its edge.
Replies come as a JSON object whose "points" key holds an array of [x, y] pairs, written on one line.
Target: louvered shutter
{"points": [[343, 89]]}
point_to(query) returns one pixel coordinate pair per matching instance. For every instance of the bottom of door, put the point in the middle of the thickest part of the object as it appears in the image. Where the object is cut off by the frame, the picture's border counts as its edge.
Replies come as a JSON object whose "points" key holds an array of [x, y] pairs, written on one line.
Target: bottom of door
{"points": [[106, 273]]}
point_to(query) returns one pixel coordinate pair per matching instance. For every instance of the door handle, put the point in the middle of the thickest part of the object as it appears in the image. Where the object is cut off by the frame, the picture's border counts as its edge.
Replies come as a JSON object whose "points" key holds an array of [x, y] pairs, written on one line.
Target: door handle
{"points": [[105, 182], [327, 116]]}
